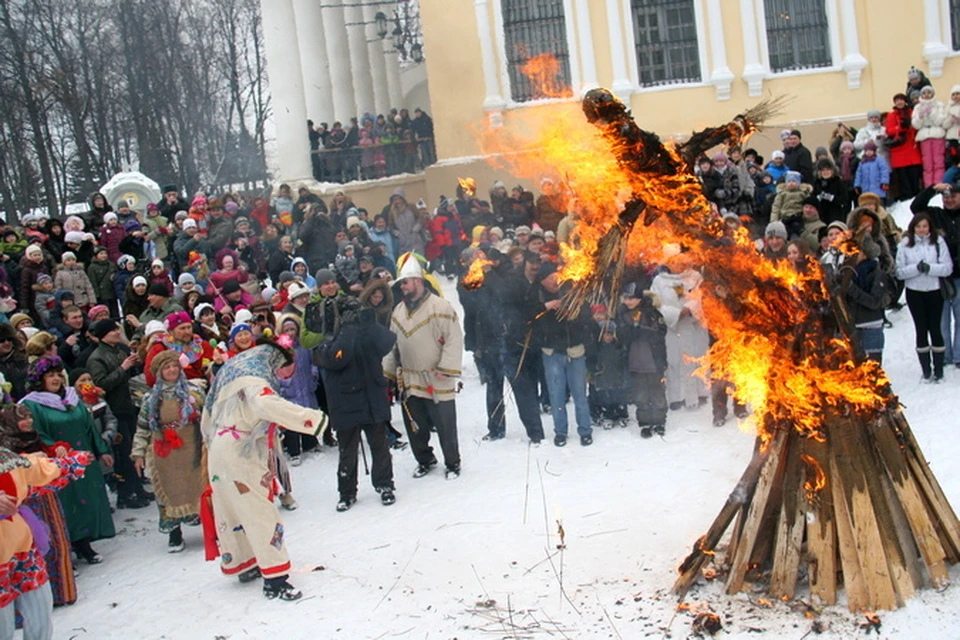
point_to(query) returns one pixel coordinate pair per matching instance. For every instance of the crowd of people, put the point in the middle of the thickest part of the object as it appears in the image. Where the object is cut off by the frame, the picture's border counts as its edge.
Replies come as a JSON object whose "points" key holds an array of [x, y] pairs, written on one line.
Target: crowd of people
{"points": [[189, 354], [374, 147]]}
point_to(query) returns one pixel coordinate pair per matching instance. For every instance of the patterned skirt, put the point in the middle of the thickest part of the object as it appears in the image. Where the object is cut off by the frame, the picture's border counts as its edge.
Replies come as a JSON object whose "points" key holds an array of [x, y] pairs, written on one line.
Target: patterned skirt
{"points": [[46, 506], [24, 573]]}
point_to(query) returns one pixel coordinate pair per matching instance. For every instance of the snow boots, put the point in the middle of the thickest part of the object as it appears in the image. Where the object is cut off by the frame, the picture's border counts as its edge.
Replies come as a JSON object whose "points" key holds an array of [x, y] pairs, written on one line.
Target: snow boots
{"points": [[280, 589], [938, 353], [175, 542], [923, 353]]}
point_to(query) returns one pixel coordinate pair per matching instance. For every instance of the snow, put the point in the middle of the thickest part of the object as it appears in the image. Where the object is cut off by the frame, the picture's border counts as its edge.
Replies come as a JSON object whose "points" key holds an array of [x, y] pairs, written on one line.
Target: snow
{"points": [[468, 558]]}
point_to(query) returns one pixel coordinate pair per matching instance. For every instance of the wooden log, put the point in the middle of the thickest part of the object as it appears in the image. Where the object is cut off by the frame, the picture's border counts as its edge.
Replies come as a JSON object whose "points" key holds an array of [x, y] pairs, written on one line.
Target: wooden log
{"points": [[772, 469], [914, 562], [911, 503], [853, 580], [821, 530], [704, 548], [868, 536], [790, 526], [947, 517]]}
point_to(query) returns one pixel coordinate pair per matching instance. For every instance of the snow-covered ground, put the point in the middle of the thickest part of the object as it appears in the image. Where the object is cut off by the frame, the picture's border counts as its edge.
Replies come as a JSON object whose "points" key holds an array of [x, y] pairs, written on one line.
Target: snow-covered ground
{"points": [[477, 557]]}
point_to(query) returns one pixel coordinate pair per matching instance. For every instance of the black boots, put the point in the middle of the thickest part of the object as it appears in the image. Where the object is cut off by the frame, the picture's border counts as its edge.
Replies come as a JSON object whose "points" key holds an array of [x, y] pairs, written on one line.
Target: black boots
{"points": [[923, 353], [938, 353], [279, 588]]}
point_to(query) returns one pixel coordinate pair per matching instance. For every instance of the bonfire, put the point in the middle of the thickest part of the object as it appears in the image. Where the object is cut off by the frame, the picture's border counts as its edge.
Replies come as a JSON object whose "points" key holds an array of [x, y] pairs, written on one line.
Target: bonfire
{"points": [[838, 491]]}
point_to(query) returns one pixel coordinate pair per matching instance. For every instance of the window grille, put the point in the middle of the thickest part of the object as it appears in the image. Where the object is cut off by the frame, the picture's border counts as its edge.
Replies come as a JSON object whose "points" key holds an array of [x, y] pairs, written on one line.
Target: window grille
{"points": [[955, 24], [667, 48], [797, 34], [532, 28]]}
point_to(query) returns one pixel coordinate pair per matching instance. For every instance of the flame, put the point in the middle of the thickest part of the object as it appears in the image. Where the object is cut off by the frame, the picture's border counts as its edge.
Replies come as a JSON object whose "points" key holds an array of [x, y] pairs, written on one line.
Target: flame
{"points": [[771, 321], [474, 276], [469, 186], [816, 478], [544, 72]]}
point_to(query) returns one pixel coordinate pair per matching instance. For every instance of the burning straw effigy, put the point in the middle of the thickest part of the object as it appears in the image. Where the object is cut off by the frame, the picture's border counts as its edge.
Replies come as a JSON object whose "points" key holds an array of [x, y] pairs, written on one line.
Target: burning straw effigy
{"points": [[838, 491]]}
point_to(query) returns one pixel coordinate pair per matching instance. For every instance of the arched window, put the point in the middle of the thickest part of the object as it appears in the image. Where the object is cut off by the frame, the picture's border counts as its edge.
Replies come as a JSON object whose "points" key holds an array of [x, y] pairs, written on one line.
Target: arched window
{"points": [[798, 34], [665, 37], [532, 28]]}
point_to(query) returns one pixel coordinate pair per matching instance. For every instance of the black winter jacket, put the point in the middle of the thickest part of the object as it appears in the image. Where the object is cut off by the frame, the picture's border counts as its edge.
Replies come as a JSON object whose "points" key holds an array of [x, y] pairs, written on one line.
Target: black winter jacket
{"points": [[353, 374]]}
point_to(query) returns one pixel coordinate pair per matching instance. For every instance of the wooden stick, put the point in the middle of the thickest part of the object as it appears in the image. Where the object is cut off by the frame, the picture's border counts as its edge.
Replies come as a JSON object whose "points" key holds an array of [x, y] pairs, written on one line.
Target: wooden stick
{"points": [[790, 526], [821, 529]]}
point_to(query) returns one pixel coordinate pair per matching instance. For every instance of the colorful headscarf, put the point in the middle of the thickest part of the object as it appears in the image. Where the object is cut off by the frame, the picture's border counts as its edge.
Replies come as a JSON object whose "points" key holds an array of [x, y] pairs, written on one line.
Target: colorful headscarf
{"points": [[10, 435], [178, 390], [261, 361]]}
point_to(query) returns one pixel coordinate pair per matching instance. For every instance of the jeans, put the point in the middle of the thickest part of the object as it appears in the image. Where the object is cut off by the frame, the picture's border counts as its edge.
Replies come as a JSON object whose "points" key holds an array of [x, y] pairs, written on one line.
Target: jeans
{"points": [[872, 342], [951, 309], [490, 368], [524, 383], [565, 373]]}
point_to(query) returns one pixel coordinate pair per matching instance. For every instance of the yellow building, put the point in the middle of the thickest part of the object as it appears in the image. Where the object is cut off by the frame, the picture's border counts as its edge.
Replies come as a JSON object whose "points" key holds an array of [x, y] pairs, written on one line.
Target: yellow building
{"points": [[679, 64]]}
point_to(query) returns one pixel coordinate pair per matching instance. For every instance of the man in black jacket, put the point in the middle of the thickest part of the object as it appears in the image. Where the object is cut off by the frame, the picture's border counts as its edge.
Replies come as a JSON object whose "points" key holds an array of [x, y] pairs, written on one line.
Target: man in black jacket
{"points": [[112, 365], [519, 306], [947, 219], [171, 202], [357, 401], [797, 157], [75, 346]]}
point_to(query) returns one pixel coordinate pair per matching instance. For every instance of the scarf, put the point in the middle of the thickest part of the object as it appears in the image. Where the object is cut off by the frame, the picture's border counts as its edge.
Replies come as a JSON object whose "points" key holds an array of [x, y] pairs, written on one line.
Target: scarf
{"points": [[846, 168], [162, 390], [193, 349], [53, 400]]}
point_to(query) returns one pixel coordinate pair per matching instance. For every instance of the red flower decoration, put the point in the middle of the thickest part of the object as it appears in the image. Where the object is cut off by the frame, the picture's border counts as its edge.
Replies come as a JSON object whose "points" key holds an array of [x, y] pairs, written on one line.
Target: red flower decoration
{"points": [[430, 389], [267, 391], [162, 448], [308, 424]]}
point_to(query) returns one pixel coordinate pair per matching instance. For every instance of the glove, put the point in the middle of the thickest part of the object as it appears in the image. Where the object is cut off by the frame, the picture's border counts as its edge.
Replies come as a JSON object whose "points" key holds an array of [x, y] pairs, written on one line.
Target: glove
{"points": [[720, 193], [923, 267]]}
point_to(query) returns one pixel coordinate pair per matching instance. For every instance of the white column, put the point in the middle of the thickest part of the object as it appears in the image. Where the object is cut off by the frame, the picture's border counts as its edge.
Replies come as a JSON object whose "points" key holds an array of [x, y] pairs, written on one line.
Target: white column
{"points": [[494, 98], [317, 88], [721, 77], [359, 59], [853, 61], [286, 89], [338, 51], [588, 63], [392, 60], [622, 87], [934, 50], [753, 69], [378, 64]]}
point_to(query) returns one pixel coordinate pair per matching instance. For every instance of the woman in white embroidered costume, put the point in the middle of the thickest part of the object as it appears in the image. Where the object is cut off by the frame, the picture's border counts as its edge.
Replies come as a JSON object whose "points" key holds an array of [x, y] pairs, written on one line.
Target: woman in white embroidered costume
{"points": [[240, 425]]}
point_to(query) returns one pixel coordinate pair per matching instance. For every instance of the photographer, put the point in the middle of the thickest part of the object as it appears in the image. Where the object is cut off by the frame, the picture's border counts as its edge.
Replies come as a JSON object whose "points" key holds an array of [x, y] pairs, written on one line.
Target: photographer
{"points": [[350, 363]]}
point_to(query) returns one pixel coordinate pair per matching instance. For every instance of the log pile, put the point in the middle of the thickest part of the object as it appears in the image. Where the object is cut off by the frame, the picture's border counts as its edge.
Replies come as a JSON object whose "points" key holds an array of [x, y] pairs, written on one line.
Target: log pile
{"points": [[860, 508]]}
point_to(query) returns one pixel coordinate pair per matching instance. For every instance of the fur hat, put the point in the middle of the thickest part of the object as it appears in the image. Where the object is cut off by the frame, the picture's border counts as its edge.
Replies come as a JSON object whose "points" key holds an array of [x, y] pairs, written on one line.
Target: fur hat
{"points": [[38, 344], [837, 225], [914, 74], [867, 198], [18, 319], [522, 229], [813, 202], [231, 286], [631, 290], [826, 163], [296, 290], [353, 220], [162, 359]]}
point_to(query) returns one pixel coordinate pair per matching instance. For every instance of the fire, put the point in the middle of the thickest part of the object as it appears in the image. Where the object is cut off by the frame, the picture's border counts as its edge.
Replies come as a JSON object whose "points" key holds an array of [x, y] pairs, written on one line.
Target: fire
{"points": [[771, 322], [469, 186], [545, 73], [816, 478], [474, 276]]}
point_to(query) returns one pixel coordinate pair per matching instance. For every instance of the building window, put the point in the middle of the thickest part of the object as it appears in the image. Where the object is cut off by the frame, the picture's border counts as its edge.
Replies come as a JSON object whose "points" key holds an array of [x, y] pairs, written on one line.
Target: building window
{"points": [[535, 35], [797, 34], [665, 33], [955, 24]]}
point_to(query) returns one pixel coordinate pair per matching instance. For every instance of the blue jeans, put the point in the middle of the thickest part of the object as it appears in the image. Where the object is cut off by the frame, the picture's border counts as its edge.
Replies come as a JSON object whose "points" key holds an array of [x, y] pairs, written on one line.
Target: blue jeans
{"points": [[565, 373], [951, 339]]}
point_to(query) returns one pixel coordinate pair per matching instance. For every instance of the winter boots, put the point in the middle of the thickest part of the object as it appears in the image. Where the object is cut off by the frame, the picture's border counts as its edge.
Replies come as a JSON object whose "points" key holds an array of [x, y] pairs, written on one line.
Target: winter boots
{"points": [[175, 542], [938, 353], [923, 353], [280, 589]]}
